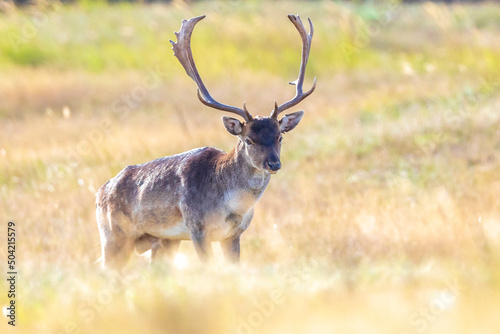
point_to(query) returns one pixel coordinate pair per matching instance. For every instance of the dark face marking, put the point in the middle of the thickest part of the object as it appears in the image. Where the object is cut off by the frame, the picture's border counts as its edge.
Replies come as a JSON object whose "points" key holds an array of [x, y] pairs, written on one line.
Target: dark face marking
{"points": [[264, 131], [263, 144]]}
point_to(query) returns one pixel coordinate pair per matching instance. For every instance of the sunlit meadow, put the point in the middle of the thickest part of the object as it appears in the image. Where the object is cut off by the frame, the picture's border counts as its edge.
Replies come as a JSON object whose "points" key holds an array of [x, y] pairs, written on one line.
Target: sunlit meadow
{"points": [[384, 218]]}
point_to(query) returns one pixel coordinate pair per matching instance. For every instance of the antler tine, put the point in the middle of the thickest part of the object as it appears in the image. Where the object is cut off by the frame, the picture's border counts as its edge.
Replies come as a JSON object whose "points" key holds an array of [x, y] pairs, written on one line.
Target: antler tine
{"points": [[182, 50], [306, 48]]}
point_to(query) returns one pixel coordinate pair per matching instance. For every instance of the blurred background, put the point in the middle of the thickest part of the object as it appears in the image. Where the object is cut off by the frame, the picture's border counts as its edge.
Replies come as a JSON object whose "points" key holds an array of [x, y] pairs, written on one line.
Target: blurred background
{"points": [[384, 218]]}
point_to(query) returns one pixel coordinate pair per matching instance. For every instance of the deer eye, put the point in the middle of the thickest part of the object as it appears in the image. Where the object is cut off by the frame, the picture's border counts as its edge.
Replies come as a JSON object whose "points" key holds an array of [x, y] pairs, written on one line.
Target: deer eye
{"points": [[249, 142], [280, 139]]}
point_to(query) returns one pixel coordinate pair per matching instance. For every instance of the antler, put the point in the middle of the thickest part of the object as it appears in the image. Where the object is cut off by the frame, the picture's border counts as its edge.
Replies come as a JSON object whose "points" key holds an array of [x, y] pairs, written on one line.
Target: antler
{"points": [[182, 50], [306, 48]]}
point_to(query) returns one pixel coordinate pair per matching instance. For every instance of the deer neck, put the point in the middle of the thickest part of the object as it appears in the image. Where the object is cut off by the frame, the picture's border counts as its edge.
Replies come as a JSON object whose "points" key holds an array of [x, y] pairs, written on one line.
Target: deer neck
{"points": [[238, 172]]}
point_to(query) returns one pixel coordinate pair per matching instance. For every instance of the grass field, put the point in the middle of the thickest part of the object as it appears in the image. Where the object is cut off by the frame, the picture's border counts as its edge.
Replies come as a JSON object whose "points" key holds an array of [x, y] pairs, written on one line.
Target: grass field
{"points": [[385, 217]]}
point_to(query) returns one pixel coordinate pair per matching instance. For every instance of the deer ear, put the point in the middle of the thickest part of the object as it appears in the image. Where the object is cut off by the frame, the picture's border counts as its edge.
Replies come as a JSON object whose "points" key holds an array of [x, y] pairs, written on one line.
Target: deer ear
{"points": [[290, 121], [233, 126]]}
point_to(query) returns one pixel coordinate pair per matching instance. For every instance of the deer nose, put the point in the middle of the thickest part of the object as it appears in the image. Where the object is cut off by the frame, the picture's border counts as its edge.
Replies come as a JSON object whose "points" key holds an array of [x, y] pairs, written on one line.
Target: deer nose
{"points": [[274, 165]]}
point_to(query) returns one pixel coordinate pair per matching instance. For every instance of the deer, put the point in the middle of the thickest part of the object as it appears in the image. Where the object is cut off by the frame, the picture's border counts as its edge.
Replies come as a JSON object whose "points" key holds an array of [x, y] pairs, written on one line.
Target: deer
{"points": [[204, 195]]}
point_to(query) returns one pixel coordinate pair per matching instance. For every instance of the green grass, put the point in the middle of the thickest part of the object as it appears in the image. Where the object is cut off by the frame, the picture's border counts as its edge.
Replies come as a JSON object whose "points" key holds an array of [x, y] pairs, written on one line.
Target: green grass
{"points": [[137, 37]]}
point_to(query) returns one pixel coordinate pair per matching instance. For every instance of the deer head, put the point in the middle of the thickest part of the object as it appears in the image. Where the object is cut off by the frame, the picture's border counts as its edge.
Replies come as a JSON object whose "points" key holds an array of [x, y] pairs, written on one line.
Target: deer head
{"points": [[260, 137]]}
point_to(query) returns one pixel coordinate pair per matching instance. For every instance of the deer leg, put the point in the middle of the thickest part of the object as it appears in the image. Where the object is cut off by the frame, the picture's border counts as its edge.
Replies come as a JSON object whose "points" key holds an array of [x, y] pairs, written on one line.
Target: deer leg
{"points": [[231, 246], [231, 249], [202, 245], [171, 247], [115, 242], [164, 248], [116, 249], [156, 250]]}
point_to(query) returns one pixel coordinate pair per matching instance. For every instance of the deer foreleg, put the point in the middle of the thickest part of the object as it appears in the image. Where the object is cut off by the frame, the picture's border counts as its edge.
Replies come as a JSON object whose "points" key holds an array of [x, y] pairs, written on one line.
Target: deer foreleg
{"points": [[202, 244]]}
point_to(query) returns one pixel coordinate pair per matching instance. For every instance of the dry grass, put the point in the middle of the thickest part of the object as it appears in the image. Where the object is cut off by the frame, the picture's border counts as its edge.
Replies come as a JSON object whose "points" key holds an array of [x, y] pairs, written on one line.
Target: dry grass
{"points": [[384, 219]]}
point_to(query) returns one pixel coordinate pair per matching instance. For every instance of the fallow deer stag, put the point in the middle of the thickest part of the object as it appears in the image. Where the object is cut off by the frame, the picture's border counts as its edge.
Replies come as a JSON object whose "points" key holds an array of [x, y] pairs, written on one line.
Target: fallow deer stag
{"points": [[202, 195]]}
